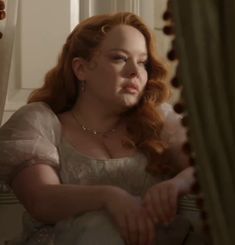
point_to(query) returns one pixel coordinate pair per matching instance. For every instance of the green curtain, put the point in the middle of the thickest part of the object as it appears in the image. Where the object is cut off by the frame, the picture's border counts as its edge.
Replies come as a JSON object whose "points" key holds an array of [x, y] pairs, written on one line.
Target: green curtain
{"points": [[205, 45]]}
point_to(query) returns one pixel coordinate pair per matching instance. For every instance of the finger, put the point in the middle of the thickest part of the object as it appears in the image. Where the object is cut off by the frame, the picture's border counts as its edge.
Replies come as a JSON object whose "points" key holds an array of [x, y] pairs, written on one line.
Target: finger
{"points": [[122, 227], [143, 229], [157, 205], [164, 204], [173, 202], [167, 199], [148, 204], [133, 229], [151, 231]]}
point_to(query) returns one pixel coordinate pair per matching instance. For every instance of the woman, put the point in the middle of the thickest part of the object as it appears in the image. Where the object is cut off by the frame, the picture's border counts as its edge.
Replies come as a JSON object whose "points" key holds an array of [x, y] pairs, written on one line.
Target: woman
{"points": [[78, 156]]}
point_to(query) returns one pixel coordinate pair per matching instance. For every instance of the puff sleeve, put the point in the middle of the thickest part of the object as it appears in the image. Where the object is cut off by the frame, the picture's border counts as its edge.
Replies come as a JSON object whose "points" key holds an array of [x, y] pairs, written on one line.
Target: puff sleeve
{"points": [[30, 135], [175, 135]]}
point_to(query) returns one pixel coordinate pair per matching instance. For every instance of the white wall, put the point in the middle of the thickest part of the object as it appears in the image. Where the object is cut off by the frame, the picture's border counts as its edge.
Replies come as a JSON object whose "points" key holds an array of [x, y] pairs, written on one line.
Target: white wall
{"points": [[41, 31]]}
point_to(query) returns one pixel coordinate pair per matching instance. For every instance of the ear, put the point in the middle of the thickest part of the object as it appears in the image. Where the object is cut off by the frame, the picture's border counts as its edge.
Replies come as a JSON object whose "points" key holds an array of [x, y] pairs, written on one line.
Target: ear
{"points": [[78, 66]]}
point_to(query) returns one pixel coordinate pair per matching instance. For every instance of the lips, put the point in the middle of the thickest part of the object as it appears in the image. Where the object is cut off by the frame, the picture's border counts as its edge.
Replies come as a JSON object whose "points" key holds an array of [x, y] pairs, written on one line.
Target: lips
{"points": [[131, 87]]}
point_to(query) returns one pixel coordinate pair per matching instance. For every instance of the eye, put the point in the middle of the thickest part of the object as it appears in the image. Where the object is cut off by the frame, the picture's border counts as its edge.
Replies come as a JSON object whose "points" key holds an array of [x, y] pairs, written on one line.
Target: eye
{"points": [[143, 62], [119, 58]]}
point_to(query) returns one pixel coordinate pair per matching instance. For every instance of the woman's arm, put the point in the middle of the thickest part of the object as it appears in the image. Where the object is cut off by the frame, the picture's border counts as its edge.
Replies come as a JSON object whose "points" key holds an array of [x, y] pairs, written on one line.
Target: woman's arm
{"points": [[185, 180], [161, 200], [46, 199]]}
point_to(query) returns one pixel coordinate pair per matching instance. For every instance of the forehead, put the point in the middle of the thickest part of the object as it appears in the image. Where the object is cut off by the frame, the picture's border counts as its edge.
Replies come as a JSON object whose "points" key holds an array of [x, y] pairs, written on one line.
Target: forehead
{"points": [[124, 37]]}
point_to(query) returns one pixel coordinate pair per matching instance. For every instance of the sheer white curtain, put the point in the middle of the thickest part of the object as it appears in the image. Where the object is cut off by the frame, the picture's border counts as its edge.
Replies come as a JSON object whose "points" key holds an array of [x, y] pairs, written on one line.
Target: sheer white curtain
{"points": [[6, 48]]}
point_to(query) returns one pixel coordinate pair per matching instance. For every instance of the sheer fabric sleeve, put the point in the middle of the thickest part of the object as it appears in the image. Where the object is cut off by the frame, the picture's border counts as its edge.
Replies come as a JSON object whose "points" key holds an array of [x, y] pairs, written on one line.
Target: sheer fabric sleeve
{"points": [[175, 135], [29, 136]]}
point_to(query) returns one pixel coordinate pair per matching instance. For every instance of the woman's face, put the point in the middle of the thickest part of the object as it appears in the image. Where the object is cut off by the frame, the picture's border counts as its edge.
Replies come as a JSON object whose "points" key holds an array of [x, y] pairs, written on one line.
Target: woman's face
{"points": [[117, 75]]}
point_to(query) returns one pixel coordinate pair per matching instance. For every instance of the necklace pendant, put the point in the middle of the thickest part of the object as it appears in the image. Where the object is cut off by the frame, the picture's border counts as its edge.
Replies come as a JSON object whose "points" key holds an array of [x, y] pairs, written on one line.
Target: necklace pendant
{"points": [[104, 135]]}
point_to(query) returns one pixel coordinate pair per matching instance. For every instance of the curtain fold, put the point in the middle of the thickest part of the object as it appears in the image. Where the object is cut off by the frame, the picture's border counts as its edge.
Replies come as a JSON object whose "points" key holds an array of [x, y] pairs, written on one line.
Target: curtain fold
{"points": [[205, 39], [6, 49]]}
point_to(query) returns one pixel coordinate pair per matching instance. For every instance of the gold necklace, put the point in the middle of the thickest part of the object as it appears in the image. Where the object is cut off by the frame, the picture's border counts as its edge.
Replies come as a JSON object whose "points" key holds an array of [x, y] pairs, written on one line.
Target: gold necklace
{"points": [[93, 131]]}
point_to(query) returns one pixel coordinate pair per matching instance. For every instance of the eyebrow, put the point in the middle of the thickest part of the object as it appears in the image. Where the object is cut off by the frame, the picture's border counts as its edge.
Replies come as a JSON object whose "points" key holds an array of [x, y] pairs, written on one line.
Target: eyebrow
{"points": [[125, 51]]}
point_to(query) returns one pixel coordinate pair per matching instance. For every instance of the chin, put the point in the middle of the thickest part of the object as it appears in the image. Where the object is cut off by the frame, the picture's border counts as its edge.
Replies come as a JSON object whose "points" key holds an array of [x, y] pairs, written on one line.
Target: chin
{"points": [[127, 104]]}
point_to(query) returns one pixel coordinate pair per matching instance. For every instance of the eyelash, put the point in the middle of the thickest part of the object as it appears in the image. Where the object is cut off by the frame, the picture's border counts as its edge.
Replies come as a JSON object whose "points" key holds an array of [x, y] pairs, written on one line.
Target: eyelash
{"points": [[120, 57]]}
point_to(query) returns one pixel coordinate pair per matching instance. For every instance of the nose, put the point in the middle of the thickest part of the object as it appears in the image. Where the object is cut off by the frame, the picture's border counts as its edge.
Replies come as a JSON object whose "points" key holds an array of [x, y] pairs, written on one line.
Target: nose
{"points": [[134, 74], [132, 70]]}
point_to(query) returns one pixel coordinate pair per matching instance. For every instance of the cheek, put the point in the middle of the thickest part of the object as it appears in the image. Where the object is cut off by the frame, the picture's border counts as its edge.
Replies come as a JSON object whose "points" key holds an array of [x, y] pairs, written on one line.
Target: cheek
{"points": [[114, 69], [112, 76], [109, 71], [144, 77]]}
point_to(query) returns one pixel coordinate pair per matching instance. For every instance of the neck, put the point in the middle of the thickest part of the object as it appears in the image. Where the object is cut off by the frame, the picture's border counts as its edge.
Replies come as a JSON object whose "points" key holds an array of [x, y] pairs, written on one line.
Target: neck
{"points": [[94, 115]]}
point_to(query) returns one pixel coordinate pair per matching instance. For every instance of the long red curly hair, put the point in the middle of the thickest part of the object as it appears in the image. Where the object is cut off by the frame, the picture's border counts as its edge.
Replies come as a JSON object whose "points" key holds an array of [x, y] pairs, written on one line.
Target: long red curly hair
{"points": [[144, 121]]}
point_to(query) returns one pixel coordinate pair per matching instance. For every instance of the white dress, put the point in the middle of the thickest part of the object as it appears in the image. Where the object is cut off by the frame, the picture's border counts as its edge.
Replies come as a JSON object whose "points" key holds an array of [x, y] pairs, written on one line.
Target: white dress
{"points": [[34, 133]]}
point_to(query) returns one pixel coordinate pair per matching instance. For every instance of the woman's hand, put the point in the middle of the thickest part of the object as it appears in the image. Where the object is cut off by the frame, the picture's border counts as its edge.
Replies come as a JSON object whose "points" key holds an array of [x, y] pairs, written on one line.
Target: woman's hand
{"points": [[134, 224], [161, 200]]}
